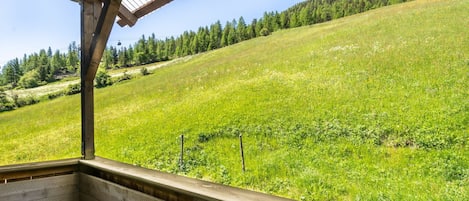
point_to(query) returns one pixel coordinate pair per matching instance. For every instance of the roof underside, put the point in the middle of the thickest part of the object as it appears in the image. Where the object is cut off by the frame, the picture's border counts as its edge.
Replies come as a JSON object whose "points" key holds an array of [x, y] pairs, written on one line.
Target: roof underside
{"points": [[131, 10]]}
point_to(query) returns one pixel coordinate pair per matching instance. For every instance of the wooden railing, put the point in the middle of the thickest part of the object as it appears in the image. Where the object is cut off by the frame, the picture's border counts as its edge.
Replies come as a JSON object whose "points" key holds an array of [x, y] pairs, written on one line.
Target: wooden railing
{"points": [[103, 179]]}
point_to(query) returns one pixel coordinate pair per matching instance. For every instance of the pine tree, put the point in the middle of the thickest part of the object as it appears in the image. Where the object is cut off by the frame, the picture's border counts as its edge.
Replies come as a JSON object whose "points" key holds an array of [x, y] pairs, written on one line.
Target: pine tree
{"points": [[57, 62], [12, 72], [294, 22], [49, 52], [152, 48], [305, 17], [72, 58], [284, 20], [44, 67], [224, 38], [106, 60], [215, 36], [130, 55], [232, 36], [252, 29], [242, 30], [259, 26]]}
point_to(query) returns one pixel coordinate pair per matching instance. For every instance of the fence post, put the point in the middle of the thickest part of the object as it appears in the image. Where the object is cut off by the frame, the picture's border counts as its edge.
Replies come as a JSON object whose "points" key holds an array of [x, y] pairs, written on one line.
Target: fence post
{"points": [[242, 151], [181, 157]]}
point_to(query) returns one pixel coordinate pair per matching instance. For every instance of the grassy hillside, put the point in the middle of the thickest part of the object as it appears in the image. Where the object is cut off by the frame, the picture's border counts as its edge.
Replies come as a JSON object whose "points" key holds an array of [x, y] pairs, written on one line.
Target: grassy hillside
{"points": [[373, 106]]}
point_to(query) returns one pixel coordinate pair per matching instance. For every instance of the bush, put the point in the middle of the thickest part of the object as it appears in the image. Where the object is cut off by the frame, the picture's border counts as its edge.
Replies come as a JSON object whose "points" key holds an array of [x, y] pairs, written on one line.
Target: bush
{"points": [[55, 95], [73, 89], [5, 104], [7, 107], [30, 80], [103, 79], [20, 102], [124, 77], [144, 71], [265, 32]]}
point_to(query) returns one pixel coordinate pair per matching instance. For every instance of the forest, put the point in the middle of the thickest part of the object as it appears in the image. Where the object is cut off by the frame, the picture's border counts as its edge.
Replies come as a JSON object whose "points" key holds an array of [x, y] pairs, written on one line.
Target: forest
{"points": [[47, 66]]}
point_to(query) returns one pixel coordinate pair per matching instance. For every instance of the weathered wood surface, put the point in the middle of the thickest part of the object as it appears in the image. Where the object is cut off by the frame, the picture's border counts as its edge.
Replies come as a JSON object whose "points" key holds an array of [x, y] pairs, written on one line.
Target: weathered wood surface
{"points": [[198, 189], [37, 169], [64, 188], [94, 188], [38, 165], [118, 180], [126, 17], [97, 19]]}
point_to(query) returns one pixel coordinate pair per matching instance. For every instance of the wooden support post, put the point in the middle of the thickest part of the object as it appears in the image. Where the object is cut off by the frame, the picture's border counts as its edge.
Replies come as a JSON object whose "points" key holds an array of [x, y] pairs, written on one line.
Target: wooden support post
{"points": [[97, 19]]}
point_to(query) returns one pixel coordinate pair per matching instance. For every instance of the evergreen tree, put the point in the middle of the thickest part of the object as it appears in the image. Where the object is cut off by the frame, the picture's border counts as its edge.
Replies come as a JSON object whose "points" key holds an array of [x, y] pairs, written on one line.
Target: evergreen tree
{"points": [[49, 52], [12, 72], [294, 22], [252, 29], [202, 39], [58, 62], [224, 38], [123, 57], [151, 48], [141, 55], [305, 16], [194, 46], [73, 61], [258, 27], [130, 55], [106, 60], [215, 36], [284, 20], [241, 29], [44, 67]]}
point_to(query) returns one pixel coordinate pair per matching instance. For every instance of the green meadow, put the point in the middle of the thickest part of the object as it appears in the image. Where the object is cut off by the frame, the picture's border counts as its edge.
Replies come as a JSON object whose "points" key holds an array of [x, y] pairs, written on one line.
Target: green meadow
{"points": [[373, 106]]}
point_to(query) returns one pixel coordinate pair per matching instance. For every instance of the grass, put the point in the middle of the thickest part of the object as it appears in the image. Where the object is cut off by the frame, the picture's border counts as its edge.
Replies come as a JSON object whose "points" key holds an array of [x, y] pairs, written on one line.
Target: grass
{"points": [[369, 107]]}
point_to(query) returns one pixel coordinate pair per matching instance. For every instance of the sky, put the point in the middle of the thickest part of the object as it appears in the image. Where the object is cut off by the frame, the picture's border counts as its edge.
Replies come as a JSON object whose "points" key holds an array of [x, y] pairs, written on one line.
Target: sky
{"points": [[30, 25]]}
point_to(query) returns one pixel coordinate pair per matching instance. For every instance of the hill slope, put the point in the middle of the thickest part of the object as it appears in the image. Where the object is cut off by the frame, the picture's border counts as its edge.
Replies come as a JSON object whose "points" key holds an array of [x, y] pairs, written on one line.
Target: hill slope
{"points": [[373, 106]]}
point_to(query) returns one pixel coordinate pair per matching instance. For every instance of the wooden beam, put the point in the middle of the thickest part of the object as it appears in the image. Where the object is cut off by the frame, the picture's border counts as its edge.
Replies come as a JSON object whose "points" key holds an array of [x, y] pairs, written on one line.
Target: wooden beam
{"points": [[167, 186], [101, 35], [150, 7], [90, 10], [97, 19], [126, 17]]}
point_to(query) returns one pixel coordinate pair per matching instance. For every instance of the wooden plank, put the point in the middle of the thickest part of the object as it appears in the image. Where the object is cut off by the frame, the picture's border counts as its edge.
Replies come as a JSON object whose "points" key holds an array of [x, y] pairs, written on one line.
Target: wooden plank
{"points": [[86, 197], [38, 169], [37, 173], [150, 7], [38, 165], [101, 36], [198, 189], [37, 189], [103, 190], [67, 197]]}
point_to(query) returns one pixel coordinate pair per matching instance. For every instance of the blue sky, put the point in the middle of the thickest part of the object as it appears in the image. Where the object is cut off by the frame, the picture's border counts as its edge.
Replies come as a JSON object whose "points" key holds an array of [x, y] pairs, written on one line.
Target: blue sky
{"points": [[30, 25]]}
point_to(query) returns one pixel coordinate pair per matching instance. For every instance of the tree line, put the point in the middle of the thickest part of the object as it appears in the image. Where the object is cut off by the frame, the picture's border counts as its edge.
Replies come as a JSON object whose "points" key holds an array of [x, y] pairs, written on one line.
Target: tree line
{"points": [[206, 38], [47, 66]]}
